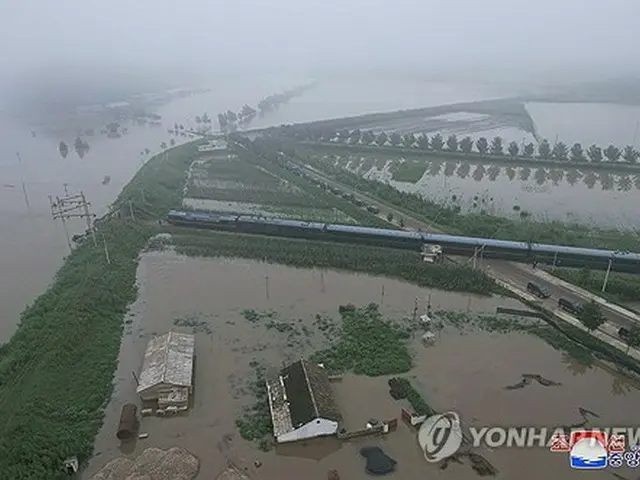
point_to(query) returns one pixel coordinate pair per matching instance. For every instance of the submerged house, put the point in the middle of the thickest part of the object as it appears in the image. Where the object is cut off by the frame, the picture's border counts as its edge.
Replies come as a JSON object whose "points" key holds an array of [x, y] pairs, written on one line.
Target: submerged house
{"points": [[301, 403], [167, 370]]}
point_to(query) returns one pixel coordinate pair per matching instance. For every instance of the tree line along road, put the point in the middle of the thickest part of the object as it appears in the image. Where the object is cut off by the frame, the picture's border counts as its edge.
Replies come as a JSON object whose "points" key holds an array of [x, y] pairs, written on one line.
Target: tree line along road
{"points": [[516, 274]]}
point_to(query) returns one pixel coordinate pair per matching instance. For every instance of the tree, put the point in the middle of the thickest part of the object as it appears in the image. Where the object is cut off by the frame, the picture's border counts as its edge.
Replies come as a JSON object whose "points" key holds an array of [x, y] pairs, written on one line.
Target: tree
{"points": [[344, 135], [408, 140], [612, 153], [390, 217], [368, 138], [198, 119], [395, 139], [482, 145], [497, 147], [423, 142], [231, 116], [64, 149], [560, 151], [594, 153], [513, 149], [382, 139], [590, 315], [629, 154], [355, 136], [222, 121], [529, 150], [633, 337], [466, 145], [172, 142], [577, 153], [437, 142], [544, 150], [205, 118], [452, 143], [163, 146]]}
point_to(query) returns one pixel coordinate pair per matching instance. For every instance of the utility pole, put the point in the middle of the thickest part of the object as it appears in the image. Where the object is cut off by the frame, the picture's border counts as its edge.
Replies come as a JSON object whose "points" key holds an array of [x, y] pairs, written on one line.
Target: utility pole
{"points": [[606, 276], [24, 186], [72, 206]]}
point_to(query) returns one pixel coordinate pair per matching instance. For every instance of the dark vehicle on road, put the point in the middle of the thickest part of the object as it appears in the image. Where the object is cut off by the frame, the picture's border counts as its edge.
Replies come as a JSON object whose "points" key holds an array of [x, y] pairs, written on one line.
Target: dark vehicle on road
{"points": [[373, 209], [569, 306], [538, 290], [623, 333]]}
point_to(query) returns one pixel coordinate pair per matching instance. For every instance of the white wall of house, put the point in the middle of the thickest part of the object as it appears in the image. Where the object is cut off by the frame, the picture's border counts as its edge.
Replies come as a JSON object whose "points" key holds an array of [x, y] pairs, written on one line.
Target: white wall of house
{"points": [[315, 428]]}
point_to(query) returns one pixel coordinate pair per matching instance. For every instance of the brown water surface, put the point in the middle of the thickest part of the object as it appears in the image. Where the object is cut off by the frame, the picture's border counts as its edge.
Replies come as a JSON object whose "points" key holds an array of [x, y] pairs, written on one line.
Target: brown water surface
{"points": [[463, 372]]}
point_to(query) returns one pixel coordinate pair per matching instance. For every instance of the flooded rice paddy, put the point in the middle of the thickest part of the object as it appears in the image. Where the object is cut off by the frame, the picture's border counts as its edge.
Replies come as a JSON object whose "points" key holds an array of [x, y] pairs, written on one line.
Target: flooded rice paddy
{"points": [[581, 195], [465, 370]]}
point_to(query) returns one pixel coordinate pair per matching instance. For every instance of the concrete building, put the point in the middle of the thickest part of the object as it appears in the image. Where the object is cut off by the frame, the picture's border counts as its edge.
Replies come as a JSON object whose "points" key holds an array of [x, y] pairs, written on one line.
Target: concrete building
{"points": [[167, 370], [302, 403]]}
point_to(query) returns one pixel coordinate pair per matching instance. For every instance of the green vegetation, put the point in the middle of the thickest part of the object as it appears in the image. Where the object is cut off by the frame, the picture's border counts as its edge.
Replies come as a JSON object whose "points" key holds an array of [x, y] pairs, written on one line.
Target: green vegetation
{"points": [[254, 424], [56, 371], [449, 218], [367, 345], [590, 315], [261, 153], [402, 388], [394, 263], [620, 287]]}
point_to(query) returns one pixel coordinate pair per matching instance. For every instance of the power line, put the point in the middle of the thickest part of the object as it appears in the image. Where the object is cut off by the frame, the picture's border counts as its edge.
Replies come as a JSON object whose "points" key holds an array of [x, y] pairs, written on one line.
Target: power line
{"points": [[72, 206]]}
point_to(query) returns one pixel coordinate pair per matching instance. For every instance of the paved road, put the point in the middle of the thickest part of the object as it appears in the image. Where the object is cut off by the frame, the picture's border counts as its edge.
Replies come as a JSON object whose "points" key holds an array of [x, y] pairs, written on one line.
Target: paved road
{"points": [[515, 273]]}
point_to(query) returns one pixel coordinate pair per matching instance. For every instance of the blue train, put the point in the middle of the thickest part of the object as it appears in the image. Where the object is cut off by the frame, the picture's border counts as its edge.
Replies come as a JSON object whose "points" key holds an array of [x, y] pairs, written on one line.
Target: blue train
{"points": [[451, 244]]}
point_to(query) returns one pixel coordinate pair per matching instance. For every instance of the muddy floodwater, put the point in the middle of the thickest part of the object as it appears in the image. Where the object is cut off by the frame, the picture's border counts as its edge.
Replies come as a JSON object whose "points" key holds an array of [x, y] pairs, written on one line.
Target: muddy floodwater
{"points": [[464, 371]]}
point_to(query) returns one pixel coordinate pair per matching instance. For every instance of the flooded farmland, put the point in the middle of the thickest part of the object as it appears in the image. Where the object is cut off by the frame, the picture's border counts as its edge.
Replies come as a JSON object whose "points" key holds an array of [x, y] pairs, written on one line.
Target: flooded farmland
{"points": [[580, 195], [246, 312]]}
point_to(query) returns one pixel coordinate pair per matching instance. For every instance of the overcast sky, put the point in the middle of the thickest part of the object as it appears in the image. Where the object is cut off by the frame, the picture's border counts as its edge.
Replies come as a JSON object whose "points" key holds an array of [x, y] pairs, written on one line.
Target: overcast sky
{"points": [[225, 36]]}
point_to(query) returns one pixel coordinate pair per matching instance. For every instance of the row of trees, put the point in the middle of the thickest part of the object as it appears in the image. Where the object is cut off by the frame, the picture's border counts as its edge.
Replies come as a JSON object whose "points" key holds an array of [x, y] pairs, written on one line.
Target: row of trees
{"points": [[481, 146], [230, 120]]}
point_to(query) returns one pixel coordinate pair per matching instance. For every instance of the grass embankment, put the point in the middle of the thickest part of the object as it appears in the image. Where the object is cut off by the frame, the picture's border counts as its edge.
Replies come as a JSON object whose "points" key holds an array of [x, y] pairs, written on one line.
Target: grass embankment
{"points": [[450, 219], [394, 263], [56, 372], [620, 288]]}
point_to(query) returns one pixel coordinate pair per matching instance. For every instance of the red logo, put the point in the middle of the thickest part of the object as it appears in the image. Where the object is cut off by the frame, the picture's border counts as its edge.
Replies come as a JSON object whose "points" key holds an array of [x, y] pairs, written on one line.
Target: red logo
{"points": [[559, 443], [617, 443]]}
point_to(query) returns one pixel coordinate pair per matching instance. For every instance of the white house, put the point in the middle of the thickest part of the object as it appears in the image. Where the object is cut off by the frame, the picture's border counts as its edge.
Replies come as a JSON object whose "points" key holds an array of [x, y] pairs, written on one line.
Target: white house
{"points": [[167, 369], [301, 403]]}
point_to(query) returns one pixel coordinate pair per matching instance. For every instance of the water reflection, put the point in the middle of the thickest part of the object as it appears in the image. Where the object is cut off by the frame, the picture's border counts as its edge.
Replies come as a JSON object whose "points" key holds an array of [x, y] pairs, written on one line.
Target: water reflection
{"points": [[590, 180], [575, 366], [435, 168], [573, 176], [494, 172], [511, 173], [464, 170], [525, 173], [450, 168], [478, 173], [540, 176], [606, 181], [556, 175], [623, 183]]}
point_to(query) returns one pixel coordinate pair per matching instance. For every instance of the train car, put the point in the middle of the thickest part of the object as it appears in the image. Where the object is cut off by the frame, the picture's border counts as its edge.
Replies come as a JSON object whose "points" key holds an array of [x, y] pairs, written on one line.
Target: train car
{"points": [[279, 227], [376, 236], [202, 220]]}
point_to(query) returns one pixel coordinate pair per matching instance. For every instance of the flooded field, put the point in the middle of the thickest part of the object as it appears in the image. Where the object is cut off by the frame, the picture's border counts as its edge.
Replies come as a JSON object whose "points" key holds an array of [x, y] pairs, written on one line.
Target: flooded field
{"points": [[593, 197], [246, 312], [587, 123], [229, 184]]}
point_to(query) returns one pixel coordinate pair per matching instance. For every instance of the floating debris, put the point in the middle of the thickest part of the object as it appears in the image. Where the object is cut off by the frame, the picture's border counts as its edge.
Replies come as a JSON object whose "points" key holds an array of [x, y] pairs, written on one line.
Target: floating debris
{"points": [[527, 378], [378, 462], [106, 180]]}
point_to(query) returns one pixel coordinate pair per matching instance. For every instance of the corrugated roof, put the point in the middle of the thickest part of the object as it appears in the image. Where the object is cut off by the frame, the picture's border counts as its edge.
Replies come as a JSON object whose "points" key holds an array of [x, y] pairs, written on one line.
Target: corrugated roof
{"points": [[169, 360], [301, 393]]}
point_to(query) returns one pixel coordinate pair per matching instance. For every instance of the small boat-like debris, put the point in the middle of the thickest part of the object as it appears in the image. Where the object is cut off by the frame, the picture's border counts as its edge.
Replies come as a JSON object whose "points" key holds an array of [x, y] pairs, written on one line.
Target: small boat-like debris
{"points": [[106, 180]]}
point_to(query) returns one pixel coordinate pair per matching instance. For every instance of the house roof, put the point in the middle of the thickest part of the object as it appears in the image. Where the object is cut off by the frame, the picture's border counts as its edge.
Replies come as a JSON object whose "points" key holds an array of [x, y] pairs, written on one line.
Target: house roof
{"points": [[301, 393], [169, 360]]}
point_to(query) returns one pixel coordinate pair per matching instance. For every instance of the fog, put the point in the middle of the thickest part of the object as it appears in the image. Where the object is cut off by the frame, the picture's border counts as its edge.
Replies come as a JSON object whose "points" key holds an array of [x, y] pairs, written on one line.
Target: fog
{"points": [[146, 44]]}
